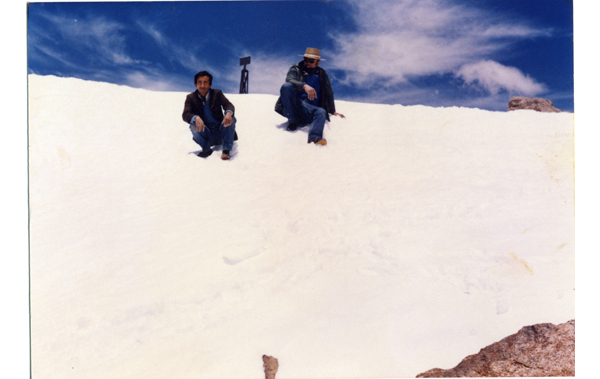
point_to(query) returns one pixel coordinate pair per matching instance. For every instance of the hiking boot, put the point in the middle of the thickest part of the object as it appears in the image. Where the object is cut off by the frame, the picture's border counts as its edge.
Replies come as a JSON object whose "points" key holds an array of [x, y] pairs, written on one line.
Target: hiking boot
{"points": [[321, 142], [292, 126], [225, 155], [205, 154]]}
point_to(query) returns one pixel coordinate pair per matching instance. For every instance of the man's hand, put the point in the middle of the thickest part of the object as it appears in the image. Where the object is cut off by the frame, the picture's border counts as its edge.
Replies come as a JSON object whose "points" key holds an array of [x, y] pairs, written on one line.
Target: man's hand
{"points": [[312, 94], [199, 124], [339, 114], [227, 120]]}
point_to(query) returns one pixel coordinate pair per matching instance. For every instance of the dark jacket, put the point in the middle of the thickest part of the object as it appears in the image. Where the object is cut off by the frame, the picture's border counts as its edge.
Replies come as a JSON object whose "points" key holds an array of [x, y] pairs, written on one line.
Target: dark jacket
{"points": [[296, 77], [218, 105]]}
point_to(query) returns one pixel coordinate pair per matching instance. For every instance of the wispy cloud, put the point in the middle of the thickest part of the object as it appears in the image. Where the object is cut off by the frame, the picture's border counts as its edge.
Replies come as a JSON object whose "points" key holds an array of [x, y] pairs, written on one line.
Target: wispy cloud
{"points": [[99, 49], [100, 38], [514, 31], [394, 53], [400, 40], [161, 82], [494, 77], [184, 56], [267, 72], [90, 47]]}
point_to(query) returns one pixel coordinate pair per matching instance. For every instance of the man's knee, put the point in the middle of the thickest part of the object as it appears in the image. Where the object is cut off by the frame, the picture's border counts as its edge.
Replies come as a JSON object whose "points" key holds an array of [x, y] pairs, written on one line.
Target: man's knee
{"points": [[197, 136], [287, 87], [321, 113], [232, 125]]}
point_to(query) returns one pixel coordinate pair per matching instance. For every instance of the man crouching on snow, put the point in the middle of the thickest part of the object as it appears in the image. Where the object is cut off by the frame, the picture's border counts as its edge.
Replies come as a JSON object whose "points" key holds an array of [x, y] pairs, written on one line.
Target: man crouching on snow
{"points": [[203, 110], [307, 97]]}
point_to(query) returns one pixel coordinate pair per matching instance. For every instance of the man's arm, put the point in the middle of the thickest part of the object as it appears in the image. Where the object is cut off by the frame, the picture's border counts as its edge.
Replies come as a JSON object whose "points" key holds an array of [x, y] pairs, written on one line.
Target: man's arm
{"points": [[227, 119], [188, 110], [328, 93], [199, 122], [190, 114], [224, 102], [294, 76], [227, 106]]}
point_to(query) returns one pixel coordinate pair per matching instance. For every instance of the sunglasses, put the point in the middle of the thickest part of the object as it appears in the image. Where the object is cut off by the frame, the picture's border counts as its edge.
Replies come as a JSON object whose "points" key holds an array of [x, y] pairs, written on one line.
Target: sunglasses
{"points": [[309, 60]]}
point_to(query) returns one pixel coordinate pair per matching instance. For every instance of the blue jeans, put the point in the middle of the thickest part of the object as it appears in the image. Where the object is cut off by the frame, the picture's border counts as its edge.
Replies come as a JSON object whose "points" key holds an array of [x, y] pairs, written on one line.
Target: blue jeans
{"points": [[214, 135], [298, 110]]}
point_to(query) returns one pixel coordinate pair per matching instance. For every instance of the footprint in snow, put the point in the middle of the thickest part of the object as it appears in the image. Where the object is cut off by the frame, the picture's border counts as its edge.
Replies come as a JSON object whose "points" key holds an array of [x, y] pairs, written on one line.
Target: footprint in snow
{"points": [[234, 259]]}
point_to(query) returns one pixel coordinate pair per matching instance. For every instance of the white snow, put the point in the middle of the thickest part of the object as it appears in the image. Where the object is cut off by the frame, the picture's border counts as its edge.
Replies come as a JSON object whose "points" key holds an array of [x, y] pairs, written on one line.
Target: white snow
{"points": [[416, 237]]}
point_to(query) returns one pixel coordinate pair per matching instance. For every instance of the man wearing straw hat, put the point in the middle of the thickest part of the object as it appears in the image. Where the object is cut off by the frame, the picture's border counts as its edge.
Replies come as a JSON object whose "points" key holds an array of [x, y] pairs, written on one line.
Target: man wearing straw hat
{"points": [[307, 97]]}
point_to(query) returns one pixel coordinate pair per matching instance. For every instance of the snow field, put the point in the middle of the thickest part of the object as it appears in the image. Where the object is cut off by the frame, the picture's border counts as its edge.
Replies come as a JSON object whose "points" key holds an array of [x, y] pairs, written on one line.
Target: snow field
{"points": [[417, 236]]}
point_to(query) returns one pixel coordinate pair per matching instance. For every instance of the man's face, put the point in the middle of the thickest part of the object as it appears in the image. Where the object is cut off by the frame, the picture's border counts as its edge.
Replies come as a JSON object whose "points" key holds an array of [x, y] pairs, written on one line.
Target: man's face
{"points": [[203, 85], [308, 64]]}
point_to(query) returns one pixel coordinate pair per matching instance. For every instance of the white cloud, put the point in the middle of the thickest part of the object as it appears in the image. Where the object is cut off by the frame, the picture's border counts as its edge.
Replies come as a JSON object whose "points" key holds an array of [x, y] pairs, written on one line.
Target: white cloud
{"points": [[183, 55], [95, 37], [519, 31], [266, 72], [397, 40], [153, 82], [398, 56], [494, 77]]}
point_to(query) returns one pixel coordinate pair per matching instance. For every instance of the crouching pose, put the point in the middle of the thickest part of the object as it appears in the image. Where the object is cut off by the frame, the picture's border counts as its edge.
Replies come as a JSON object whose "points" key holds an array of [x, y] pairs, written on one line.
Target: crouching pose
{"points": [[307, 96], [203, 110]]}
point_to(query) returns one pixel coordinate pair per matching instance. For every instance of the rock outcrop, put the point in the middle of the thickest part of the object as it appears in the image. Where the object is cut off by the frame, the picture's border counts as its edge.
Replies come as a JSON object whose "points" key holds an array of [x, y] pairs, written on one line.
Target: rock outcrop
{"points": [[538, 350], [535, 103], [271, 365]]}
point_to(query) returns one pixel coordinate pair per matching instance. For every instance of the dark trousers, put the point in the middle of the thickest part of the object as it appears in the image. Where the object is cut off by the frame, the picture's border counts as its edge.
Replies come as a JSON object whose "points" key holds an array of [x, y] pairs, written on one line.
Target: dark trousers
{"points": [[298, 110], [214, 135]]}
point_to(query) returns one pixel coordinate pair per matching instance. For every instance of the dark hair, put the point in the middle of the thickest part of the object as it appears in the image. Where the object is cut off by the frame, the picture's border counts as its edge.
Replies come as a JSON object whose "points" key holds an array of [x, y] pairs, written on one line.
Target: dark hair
{"points": [[203, 73]]}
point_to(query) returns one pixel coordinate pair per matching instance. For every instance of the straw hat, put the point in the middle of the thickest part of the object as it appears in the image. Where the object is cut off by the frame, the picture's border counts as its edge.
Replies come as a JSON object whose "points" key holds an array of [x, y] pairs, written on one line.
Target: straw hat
{"points": [[312, 53]]}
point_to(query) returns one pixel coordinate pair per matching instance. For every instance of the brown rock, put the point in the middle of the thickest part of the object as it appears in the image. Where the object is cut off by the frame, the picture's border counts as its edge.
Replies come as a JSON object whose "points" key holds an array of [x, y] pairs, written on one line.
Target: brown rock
{"points": [[270, 365], [538, 350], [535, 103]]}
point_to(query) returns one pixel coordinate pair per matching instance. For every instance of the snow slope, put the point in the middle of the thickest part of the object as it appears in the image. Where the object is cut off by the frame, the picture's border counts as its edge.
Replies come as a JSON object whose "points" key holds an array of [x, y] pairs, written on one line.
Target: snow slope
{"points": [[416, 237]]}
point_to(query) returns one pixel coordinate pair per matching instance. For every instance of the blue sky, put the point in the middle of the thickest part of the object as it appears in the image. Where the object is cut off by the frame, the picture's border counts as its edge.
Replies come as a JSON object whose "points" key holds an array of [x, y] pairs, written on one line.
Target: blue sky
{"points": [[430, 52]]}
